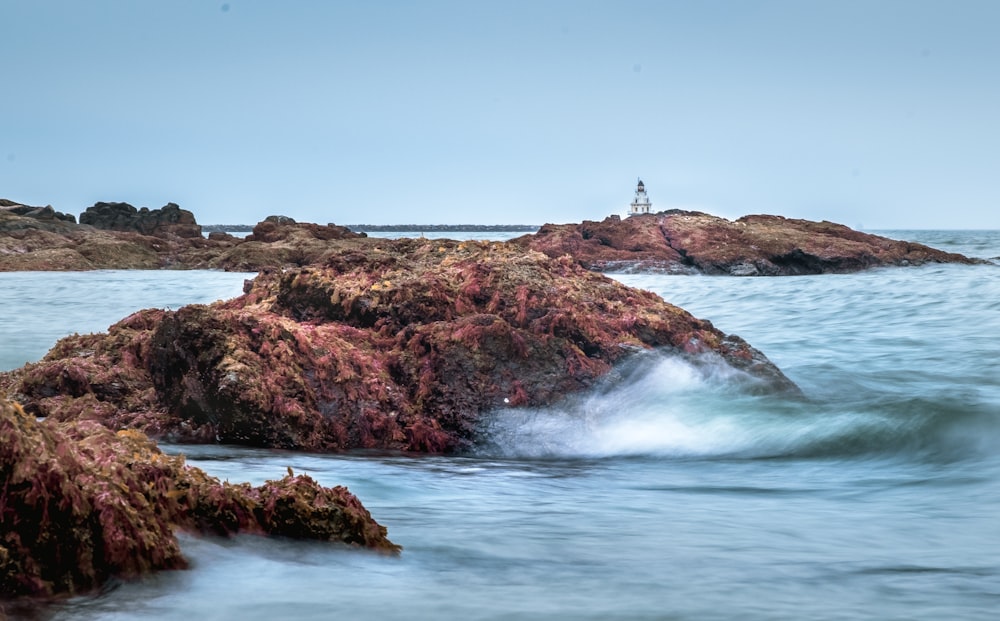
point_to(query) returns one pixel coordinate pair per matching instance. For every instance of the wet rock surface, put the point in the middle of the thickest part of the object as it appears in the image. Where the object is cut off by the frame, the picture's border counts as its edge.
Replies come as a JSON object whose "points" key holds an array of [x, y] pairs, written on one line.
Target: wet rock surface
{"points": [[81, 504], [686, 242], [388, 344]]}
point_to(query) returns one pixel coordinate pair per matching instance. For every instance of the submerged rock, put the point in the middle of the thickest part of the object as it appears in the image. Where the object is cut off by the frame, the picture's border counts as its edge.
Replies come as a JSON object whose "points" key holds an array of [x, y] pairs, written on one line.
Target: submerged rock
{"points": [[81, 504], [389, 344], [687, 242]]}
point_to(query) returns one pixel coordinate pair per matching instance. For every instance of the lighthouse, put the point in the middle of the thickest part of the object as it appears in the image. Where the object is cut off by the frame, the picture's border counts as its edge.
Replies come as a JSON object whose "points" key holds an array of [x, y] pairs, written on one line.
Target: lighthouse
{"points": [[641, 203]]}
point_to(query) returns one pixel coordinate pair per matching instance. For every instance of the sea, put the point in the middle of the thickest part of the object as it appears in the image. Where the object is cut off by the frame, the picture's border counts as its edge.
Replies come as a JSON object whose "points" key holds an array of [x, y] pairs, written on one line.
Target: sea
{"points": [[674, 494]]}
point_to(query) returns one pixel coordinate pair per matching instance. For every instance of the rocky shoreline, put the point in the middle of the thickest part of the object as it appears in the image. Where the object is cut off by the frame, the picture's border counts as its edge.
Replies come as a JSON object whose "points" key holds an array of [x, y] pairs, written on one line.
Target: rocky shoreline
{"points": [[119, 236], [341, 342], [399, 345]]}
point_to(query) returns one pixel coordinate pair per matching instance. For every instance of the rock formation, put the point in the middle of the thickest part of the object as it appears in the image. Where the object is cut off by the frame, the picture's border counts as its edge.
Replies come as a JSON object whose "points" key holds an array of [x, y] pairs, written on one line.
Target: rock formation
{"points": [[43, 214], [280, 241], [81, 504], [389, 344], [680, 242], [168, 220], [687, 242], [30, 240]]}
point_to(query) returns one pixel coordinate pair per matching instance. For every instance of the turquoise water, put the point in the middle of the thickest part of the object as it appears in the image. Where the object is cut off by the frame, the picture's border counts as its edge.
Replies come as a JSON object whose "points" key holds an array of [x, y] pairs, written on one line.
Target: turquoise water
{"points": [[673, 494]]}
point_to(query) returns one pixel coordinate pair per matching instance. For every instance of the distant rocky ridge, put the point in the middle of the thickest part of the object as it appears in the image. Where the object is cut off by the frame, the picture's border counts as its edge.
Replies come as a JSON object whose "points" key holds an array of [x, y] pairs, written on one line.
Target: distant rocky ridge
{"points": [[227, 228], [690, 242], [169, 219], [119, 236], [42, 214]]}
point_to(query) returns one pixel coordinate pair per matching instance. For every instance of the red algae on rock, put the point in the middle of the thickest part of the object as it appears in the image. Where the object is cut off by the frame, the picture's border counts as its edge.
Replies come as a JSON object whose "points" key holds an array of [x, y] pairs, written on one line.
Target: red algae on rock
{"points": [[387, 344], [37, 238], [687, 242], [81, 504]]}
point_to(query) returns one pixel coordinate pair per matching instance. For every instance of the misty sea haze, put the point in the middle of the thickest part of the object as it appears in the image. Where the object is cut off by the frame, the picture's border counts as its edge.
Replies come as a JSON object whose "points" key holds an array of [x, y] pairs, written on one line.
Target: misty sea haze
{"points": [[677, 494]]}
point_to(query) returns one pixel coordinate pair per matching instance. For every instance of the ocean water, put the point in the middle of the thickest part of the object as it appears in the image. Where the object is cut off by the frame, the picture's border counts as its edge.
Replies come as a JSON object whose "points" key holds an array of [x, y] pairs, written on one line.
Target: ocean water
{"points": [[674, 494], [462, 235]]}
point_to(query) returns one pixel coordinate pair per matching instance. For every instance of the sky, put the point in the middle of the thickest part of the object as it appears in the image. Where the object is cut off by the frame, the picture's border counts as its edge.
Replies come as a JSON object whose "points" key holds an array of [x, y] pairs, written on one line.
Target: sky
{"points": [[877, 114]]}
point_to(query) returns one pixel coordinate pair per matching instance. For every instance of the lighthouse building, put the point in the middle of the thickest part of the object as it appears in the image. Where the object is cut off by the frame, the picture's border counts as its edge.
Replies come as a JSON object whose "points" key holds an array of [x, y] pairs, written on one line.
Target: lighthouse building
{"points": [[641, 202]]}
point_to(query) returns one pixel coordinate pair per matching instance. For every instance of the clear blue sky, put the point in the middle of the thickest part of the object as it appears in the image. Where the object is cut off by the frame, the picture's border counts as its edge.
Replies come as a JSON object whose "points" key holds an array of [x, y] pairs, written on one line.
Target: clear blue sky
{"points": [[879, 113]]}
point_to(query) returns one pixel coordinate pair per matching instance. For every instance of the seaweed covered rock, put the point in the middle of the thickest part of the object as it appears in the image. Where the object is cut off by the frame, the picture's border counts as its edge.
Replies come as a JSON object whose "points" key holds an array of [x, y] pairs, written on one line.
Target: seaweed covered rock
{"points": [[389, 344], [632, 244], [692, 242], [280, 241], [81, 504], [683, 242]]}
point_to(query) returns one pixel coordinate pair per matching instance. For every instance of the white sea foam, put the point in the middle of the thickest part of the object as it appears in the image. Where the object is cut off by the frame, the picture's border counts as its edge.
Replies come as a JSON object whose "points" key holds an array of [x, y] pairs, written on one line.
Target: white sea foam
{"points": [[657, 408], [680, 408]]}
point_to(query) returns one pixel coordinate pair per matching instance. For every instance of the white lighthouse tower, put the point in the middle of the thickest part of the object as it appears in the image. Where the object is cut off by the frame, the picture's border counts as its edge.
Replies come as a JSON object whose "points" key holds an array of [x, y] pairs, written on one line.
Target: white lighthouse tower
{"points": [[641, 203]]}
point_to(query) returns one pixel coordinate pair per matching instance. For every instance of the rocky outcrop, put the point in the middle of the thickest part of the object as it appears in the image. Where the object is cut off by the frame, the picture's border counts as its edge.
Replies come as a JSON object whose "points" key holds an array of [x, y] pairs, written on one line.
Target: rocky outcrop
{"points": [[632, 244], [677, 242], [28, 242], [42, 214], [280, 241], [81, 504], [686, 242], [389, 344], [168, 220]]}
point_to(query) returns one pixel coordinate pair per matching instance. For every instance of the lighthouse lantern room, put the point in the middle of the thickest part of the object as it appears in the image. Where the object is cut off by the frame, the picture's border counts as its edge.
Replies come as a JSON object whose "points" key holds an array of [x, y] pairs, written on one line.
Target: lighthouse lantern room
{"points": [[641, 202]]}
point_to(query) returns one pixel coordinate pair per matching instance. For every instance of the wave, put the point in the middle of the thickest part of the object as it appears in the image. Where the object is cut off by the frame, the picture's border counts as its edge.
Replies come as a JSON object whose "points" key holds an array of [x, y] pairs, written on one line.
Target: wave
{"points": [[674, 407]]}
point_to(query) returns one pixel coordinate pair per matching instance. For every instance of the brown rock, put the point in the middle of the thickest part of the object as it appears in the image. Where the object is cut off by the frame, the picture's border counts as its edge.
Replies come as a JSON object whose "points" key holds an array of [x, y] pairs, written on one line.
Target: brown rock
{"points": [[44, 214], [168, 220], [387, 344], [16, 219], [81, 504], [672, 242], [693, 242], [166, 242], [279, 241]]}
